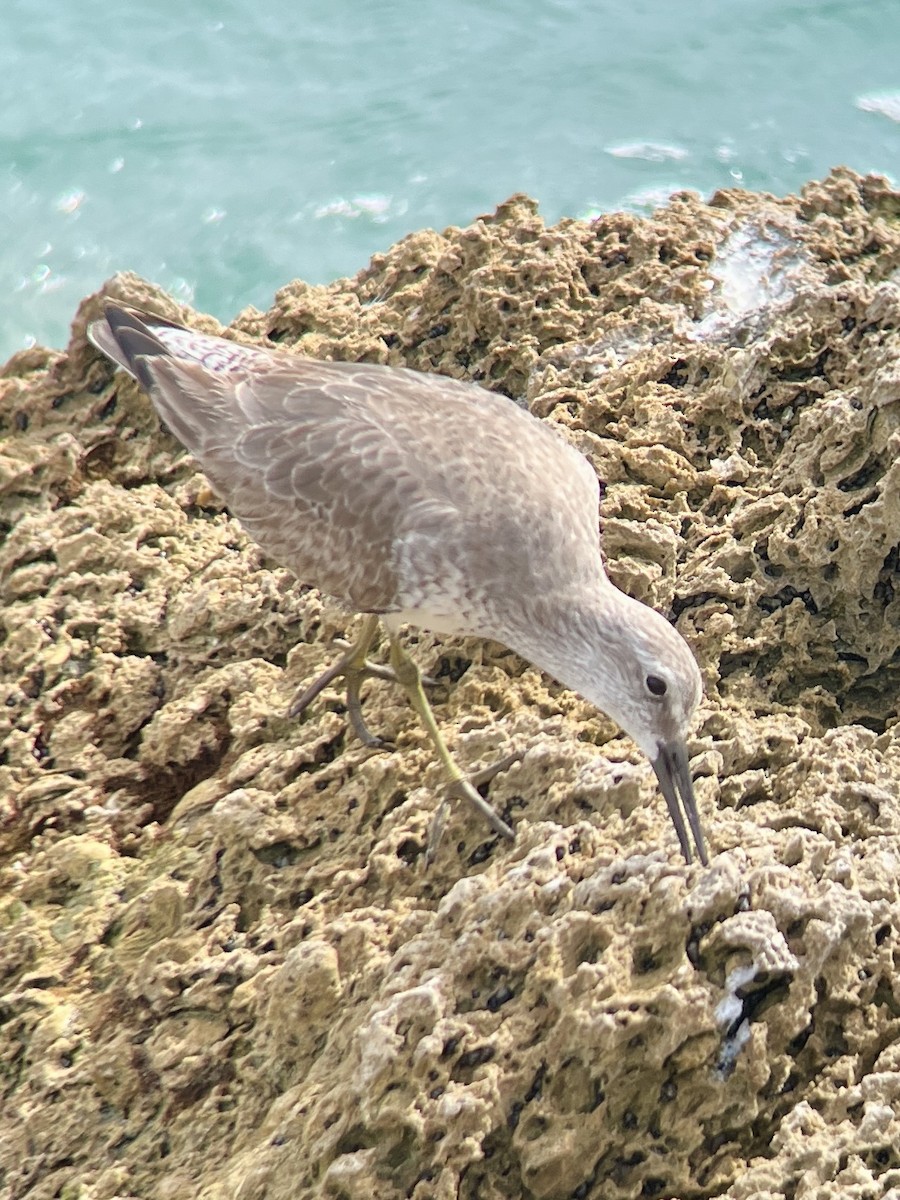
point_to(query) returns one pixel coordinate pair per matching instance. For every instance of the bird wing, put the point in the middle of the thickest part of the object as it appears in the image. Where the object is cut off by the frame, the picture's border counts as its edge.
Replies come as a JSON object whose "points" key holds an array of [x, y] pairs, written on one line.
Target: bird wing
{"points": [[383, 486], [299, 462]]}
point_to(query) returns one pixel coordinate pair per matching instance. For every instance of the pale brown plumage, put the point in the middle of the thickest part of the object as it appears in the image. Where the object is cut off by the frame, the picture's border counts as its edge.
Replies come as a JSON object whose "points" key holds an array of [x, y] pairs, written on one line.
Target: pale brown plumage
{"points": [[427, 501]]}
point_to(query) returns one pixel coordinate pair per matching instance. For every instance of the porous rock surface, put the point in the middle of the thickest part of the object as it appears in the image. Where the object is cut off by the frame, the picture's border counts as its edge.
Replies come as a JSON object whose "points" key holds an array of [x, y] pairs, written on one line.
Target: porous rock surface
{"points": [[224, 972]]}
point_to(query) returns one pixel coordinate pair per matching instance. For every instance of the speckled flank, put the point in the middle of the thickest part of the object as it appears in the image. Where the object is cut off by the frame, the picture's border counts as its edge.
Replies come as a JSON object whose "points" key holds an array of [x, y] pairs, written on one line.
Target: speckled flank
{"points": [[223, 972]]}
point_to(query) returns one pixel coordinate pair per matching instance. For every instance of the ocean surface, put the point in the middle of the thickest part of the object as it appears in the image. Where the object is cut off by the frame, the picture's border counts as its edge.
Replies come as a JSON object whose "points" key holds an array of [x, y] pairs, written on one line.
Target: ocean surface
{"points": [[225, 148]]}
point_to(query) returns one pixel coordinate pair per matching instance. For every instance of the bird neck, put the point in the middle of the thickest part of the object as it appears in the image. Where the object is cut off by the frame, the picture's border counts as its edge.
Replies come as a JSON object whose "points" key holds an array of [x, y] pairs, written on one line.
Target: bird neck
{"points": [[574, 637]]}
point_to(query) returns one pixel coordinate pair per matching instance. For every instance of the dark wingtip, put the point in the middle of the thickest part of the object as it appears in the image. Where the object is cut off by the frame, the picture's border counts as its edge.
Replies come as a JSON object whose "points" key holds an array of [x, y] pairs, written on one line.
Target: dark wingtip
{"points": [[134, 340]]}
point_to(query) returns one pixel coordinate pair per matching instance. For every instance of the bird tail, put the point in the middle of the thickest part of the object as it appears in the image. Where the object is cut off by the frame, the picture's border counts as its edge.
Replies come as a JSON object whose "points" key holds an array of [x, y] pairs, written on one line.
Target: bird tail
{"points": [[124, 335]]}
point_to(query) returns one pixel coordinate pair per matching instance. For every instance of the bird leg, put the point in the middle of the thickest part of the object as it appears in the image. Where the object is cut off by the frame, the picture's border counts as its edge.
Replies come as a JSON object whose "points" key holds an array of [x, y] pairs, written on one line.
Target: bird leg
{"points": [[353, 666], [410, 677]]}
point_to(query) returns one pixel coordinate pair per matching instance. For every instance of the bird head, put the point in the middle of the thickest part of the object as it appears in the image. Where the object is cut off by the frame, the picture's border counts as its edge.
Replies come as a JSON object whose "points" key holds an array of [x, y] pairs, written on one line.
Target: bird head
{"points": [[652, 688], [633, 665]]}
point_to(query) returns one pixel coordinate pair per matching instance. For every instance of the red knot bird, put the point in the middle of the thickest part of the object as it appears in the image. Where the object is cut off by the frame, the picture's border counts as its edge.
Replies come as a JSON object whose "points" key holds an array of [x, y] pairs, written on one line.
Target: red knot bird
{"points": [[421, 500]]}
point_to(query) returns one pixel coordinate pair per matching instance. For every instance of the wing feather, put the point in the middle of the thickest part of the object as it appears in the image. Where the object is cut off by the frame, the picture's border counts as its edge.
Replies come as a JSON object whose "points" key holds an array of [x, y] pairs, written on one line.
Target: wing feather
{"points": [[386, 487]]}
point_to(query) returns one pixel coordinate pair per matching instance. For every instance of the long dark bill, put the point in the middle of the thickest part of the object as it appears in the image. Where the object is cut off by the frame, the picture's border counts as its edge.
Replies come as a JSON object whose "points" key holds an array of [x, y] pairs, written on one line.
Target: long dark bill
{"points": [[674, 775]]}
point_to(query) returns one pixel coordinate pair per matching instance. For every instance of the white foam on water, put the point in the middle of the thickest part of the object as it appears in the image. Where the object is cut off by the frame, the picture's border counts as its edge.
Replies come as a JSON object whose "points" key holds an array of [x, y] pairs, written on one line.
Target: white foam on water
{"points": [[376, 207], [648, 151], [886, 104]]}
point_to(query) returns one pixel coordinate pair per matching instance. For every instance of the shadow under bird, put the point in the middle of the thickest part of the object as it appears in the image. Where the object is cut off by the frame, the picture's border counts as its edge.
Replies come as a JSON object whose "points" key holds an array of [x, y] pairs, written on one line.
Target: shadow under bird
{"points": [[421, 500]]}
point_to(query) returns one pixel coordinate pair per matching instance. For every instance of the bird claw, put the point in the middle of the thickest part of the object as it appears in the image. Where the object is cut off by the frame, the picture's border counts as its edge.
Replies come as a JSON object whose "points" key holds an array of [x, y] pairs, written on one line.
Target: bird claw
{"points": [[369, 739], [354, 675], [478, 778], [464, 788]]}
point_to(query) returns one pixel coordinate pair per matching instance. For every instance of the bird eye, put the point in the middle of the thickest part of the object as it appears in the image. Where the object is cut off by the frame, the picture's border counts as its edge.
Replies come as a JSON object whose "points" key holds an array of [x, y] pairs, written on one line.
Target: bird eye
{"points": [[656, 686]]}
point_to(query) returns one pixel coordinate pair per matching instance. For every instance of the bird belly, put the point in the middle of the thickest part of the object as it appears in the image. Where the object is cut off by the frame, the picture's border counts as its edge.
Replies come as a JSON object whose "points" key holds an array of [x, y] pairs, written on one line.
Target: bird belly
{"points": [[434, 619]]}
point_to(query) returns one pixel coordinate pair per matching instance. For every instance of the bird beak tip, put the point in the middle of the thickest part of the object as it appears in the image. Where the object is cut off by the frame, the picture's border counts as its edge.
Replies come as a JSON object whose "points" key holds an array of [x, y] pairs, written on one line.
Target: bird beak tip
{"points": [[674, 775]]}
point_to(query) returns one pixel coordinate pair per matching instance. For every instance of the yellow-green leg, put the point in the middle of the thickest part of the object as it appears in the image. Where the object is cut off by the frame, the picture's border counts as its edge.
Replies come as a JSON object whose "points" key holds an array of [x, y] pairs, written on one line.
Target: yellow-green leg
{"points": [[409, 675], [354, 667]]}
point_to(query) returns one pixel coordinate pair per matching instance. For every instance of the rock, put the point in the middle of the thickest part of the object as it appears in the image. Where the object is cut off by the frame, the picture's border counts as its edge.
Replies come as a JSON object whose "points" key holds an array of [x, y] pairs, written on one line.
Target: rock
{"points": [[223, 969]]}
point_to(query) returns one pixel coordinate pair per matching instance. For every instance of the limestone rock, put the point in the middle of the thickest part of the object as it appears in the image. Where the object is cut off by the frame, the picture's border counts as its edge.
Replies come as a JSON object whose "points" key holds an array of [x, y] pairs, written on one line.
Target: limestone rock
{"points": [[223, 970]]}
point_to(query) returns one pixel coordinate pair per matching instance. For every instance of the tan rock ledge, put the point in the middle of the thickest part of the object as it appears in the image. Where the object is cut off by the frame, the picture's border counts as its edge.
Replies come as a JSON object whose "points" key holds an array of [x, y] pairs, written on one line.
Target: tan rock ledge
{"points": [[223, 971]]}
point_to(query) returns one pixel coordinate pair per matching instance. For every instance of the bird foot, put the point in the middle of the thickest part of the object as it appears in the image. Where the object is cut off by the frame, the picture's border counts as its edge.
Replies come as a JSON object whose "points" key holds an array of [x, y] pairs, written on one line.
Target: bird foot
{"points": [[354, 670], [354, 666], [464, 788]]}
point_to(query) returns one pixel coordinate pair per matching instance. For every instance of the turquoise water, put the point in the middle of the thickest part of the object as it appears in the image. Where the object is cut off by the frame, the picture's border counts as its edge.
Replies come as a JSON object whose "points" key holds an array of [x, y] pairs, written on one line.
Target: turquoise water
{"points": [[223, 149]]}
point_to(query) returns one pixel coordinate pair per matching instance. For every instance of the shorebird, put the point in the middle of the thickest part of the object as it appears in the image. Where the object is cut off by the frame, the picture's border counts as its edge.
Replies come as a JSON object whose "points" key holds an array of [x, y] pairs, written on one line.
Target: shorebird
{"points": [[418, 499]]}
